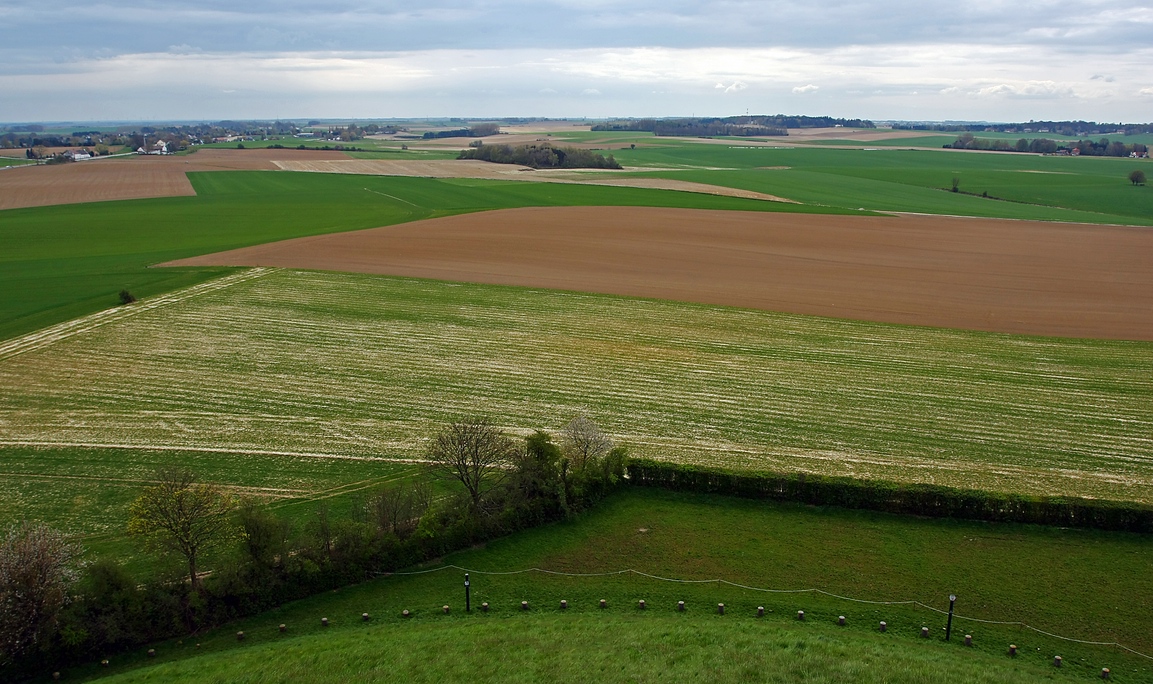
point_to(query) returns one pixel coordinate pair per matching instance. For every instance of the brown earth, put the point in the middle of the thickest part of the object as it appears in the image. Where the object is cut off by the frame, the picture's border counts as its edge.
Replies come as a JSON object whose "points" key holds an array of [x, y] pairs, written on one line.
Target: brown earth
{"points": [[1007, 276], [133, 177], [472, 168]]}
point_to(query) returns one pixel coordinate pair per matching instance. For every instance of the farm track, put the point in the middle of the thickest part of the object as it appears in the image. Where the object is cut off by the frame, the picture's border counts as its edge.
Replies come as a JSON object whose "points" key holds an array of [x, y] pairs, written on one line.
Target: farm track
{"points": [[367, 368], [79, 326]]}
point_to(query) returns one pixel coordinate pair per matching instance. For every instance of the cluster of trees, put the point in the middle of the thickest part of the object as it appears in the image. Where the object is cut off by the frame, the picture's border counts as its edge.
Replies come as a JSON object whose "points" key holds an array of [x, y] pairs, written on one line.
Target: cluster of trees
{"points": [[1065, 128], [542, 156], [1100, 148], [53, 611], [745, 126], [475, 131]]}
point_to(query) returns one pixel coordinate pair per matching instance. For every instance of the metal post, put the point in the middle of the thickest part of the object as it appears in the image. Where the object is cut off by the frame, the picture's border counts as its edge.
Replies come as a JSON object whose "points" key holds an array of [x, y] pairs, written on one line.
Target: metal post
{"points": [[949, 624], [467, 604]]}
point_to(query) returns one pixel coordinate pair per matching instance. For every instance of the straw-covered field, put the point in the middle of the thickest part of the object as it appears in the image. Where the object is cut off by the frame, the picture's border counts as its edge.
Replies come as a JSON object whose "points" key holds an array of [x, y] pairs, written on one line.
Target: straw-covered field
{"points": [[308, 365]]}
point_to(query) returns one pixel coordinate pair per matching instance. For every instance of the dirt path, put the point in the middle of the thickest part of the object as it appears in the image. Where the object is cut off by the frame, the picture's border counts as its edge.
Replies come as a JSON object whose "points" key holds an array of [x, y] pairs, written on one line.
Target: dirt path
{"points": [[983, 274]]}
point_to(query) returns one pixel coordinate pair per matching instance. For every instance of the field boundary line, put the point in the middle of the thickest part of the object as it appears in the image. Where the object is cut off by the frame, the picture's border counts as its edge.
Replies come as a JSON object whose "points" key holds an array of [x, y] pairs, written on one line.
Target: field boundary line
{"points": [[78, 326], [630, 571], [204, 449]]}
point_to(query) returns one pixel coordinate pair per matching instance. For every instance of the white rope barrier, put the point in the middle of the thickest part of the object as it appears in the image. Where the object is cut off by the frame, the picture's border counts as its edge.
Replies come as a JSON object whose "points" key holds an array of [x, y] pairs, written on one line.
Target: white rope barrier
{"points": [[630, 571]]}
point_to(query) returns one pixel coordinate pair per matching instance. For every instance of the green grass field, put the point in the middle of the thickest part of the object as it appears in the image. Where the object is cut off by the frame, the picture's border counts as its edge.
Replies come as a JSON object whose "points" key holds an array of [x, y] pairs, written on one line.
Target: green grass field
{"points": [[1082, 584], [286, 378], [57, 263], [1090, 190]]}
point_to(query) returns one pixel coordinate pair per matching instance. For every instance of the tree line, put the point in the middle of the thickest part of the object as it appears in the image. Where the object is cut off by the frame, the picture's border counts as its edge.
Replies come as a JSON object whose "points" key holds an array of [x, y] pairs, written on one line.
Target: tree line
{"points": [[56, 610], [1064, 128], [475, 131], [542, 156], [1099, 148], [743, 126]]}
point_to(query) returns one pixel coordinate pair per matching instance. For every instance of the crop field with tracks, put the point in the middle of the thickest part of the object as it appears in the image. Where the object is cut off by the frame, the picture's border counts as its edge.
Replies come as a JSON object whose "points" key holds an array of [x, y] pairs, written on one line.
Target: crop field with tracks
{"points": [[281, 368]]}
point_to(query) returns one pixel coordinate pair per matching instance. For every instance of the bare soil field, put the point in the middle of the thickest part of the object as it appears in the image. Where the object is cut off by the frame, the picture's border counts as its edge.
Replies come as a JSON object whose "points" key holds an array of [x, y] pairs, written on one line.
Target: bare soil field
{"points": [[134, 177], [1005, 276], [471, 168]]}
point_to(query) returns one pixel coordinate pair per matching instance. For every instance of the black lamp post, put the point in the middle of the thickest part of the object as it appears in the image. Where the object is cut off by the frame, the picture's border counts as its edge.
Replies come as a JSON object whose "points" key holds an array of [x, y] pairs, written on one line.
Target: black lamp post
{"points": [[948, 625]]}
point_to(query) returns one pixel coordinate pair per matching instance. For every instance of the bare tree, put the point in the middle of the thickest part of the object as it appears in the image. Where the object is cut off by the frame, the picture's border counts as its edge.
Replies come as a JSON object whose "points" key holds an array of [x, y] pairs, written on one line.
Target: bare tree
{"points": [[37, 566], [398, 508], [583, 442], [179, 514], [473, 452]]}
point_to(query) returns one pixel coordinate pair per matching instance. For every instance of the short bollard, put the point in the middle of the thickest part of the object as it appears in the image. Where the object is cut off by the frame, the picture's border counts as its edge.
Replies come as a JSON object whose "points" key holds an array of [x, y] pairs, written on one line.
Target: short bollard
{"points": [[283, 628], [104, 663], [968, 639], [681, 606], [484, 606], [240, 636], [323, 622], [604, 603], [883, 626], [1013, 649], [760, 611], [563, 605], [925, 632], [641, 604], [1104, 673], [152, 653], [524, 605], [801, 615], [364, 617], [56, 676], [446, 610], [841, 620], [405, 613], [1056, 661], [720, 609]]}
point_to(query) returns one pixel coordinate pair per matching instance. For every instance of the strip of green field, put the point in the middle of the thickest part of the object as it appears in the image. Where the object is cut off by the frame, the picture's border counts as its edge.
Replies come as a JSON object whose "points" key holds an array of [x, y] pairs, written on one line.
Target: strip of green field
{"points": [[1079, 189], [366, 366], [1076, 583], [57, 263]]}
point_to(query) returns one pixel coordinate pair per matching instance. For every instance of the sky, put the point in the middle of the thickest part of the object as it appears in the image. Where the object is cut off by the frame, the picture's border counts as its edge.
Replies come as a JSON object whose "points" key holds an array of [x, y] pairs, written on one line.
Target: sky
{"points": [[982, 60]]}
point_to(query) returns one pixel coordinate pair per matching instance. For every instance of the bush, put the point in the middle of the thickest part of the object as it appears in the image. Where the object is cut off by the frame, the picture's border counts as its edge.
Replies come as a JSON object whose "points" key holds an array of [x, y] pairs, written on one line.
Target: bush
{"points": [[126, 297], [890, 497]]}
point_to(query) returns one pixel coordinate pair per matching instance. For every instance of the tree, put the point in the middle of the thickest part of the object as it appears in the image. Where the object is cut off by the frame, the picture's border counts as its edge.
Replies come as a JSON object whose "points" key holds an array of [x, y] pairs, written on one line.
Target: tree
{"points": [[37, 567], [182, 515], [1137, 177], [583, 442], [397, 509], [473, 452], [127, 297], [956, 184]]}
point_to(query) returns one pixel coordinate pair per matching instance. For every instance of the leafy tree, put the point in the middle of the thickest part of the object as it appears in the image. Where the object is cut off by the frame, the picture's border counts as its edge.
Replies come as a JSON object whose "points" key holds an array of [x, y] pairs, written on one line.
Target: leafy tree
{"points": [[182, 515], [956, 184], [475, 453], [127, 297], [1137, 177], [37, 567]]}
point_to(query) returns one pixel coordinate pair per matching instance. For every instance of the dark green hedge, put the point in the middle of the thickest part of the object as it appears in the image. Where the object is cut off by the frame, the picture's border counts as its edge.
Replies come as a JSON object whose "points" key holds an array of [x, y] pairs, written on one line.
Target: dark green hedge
{"points": [[876, 495]]}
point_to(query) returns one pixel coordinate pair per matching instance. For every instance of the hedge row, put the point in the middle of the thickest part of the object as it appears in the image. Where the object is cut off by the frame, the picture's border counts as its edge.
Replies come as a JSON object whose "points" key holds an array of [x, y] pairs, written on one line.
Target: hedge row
{"points": [[890, 497]]}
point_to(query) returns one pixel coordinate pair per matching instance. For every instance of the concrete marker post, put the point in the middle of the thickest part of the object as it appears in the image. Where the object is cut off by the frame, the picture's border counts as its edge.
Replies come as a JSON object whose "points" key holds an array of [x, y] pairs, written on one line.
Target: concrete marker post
{"points": [[720, 609], [840, 620], [884, 626], [680, 606], [801, 615], [968, 639]]}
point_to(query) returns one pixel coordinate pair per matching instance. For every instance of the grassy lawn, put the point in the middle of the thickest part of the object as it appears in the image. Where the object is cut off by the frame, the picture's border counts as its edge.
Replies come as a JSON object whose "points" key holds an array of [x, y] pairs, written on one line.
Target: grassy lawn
{"points": [[1083, 584]]}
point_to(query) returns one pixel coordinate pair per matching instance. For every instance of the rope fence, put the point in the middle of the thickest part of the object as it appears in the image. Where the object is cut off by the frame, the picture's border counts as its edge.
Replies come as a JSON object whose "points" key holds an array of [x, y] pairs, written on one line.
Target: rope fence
{"points": [[630, 571]]}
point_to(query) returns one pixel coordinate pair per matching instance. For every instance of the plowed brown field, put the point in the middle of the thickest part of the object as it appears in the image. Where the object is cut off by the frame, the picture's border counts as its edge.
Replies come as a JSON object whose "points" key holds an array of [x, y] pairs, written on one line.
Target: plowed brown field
{"points": [[134, 177], [1007, 276]]}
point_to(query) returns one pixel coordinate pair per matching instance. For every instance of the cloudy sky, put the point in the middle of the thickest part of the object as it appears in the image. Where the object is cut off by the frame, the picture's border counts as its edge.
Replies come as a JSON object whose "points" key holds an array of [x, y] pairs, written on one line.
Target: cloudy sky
{"points": [[67, 60]]}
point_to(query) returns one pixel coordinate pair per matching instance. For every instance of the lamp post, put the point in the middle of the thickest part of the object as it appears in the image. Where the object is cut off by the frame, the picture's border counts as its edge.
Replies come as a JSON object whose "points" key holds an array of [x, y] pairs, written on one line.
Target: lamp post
{"points": [[467, 604], [949, 624]]}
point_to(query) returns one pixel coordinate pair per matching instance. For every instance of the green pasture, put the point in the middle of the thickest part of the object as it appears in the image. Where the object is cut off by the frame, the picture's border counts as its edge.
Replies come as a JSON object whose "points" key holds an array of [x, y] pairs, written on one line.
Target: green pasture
{"points": [[14, 161], [325, 367], [57, 263], [1079, 189], [1081, 584]]}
